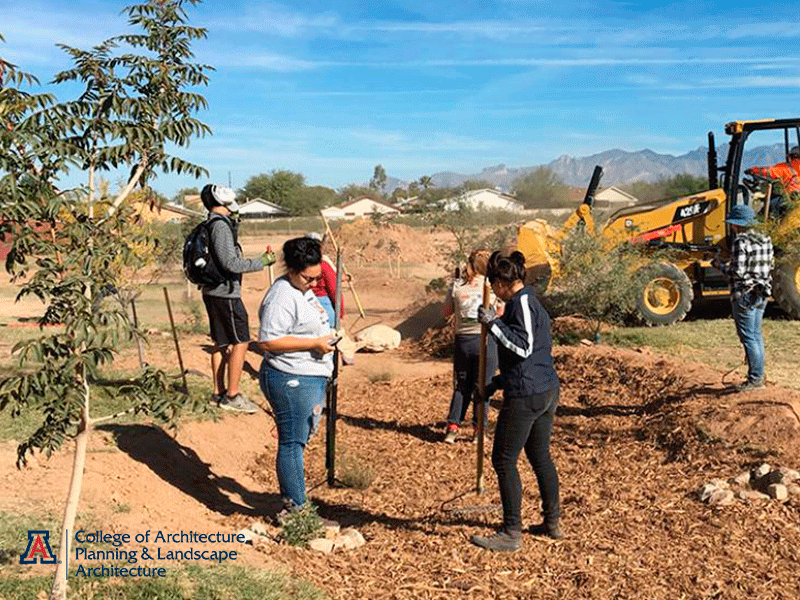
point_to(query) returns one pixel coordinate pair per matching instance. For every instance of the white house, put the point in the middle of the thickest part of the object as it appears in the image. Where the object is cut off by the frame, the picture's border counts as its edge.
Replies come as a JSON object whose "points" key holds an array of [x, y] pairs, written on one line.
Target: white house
{"points": [[485, 199], [614, 198], [361, 207], [258, 208]]}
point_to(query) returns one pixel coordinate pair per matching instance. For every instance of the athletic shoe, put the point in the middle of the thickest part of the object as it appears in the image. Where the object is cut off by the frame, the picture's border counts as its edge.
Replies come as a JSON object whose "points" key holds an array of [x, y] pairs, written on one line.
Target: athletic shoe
{"points": [[749, 386], [452, 432], [217, 398], [502, 541], [238, 403], [551, 530]]}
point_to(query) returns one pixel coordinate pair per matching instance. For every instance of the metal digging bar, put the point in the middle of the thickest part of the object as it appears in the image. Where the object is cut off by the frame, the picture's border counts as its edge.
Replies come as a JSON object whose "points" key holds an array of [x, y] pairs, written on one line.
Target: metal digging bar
{"points": [[333, 388]]}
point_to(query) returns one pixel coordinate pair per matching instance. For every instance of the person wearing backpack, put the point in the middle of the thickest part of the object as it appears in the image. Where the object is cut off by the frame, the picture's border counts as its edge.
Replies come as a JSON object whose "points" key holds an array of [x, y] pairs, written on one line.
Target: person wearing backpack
{"points": [[227, 315]]}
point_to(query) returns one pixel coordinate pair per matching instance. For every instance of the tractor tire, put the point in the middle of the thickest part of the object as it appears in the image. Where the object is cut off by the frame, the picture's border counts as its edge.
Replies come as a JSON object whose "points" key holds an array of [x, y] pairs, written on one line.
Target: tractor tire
{"points": [[786, 286], [666, 295]]}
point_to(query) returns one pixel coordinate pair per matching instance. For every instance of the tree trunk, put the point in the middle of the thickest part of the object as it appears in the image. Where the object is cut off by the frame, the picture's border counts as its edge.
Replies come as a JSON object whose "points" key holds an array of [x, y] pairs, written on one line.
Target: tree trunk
{"points": [[59, 589]]}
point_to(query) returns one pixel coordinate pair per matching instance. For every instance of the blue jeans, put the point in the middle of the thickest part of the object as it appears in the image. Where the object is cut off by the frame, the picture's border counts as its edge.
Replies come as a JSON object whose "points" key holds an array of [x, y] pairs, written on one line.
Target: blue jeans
{"points": [[328, 306], [748, 313], [296, 402]]}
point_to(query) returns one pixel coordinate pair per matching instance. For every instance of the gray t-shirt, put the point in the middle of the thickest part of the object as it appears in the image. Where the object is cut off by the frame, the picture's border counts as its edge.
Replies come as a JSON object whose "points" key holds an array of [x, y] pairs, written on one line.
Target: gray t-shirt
{"points": [[286, 311]]}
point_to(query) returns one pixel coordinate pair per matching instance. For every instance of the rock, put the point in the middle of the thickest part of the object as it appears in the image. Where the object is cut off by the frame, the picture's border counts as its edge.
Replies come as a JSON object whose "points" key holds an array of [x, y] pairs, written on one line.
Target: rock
{"points": [[705, 492], [742, 479], [752, 495], [721, 484], [587, 343], [760, 471], [788, 475], [378, 338], [321, 545], [259, 528], [778, 491], [793, 489], [262, 542], [248, 535], [721, 498], [350, 539]]}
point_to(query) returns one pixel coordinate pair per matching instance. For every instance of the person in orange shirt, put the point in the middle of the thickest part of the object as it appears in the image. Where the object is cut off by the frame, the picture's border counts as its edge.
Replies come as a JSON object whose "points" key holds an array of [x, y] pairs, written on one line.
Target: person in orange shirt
{"points": [[786, 173]]}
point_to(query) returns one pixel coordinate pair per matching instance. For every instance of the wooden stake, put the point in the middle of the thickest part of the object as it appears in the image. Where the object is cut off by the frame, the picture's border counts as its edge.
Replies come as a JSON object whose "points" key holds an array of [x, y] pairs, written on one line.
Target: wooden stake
{"points": [[349, 276], [175, 337], [480, 397], [138, 339]]}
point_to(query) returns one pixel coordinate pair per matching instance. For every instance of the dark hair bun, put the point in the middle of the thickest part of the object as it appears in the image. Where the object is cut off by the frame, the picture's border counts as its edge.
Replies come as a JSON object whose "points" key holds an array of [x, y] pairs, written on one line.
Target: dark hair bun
{"points": [[300, 253], [507, 268]]}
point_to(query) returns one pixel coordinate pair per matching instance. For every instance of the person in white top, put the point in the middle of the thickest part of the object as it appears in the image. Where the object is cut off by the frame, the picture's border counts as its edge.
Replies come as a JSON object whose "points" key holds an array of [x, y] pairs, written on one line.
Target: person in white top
{"points": [[463, 300], [297, 341]]}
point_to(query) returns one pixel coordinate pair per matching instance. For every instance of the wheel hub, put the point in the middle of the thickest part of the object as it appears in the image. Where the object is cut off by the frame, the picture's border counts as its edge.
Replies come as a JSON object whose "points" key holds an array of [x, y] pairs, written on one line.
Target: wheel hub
{"points": [[662, 295]]}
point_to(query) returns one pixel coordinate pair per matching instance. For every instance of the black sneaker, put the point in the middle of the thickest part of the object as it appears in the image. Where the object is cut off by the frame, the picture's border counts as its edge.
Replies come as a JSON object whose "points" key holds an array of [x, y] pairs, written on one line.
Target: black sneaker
{"points": [[502, 541], [238, 403], [551, 530]]}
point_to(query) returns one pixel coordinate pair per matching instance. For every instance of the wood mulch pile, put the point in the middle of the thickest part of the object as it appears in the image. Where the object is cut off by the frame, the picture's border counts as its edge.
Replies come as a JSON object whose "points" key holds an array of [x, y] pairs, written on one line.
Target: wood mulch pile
{"points": [[631, 444]]}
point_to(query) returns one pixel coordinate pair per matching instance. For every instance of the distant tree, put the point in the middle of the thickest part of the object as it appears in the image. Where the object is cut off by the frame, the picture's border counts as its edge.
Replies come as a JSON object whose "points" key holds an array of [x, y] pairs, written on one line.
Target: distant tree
{"points": [[179, 195], [413, 189], [378, 181], [398, 194], [541, 187], [353, 191], [675, 186], [308, 200], [426, 182], [277, 187]]}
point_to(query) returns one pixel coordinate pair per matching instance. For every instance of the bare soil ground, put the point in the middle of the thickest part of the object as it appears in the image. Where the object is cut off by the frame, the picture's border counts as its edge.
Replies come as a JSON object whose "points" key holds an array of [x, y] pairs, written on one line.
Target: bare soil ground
{"points": [[635, 436]]}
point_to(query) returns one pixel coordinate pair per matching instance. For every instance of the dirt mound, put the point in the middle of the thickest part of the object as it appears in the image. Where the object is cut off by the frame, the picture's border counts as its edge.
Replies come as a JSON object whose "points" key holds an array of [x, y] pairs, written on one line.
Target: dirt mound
{"points": [[366, 242]]}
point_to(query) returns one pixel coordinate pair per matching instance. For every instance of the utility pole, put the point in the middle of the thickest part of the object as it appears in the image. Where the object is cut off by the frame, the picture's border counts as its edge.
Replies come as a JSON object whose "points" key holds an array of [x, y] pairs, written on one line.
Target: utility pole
{"points": [[229, 179]]}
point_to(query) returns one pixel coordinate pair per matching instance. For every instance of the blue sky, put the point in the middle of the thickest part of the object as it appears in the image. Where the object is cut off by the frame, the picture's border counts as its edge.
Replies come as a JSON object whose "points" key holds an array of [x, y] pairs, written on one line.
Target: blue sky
{"points": [[330, 89]]}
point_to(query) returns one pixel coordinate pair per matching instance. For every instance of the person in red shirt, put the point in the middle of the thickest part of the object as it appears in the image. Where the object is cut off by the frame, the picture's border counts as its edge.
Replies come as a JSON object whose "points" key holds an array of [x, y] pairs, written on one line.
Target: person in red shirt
{"points": [[325, 289]]}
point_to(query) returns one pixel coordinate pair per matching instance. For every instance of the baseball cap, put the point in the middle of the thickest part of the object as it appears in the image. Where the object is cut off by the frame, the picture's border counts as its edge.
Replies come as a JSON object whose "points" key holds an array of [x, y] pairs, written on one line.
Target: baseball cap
{"points": [[742, 215], [225, 197]]}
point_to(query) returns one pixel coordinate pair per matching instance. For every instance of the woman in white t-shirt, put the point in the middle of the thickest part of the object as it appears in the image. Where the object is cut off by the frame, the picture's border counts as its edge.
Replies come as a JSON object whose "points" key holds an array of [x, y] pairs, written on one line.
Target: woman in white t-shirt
{"points": [[463, 300], [296, 337]]}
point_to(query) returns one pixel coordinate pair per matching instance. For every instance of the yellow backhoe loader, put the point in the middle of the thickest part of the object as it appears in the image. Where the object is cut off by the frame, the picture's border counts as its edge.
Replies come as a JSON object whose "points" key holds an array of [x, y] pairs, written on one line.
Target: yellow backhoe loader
{"points": [[691, 228]]}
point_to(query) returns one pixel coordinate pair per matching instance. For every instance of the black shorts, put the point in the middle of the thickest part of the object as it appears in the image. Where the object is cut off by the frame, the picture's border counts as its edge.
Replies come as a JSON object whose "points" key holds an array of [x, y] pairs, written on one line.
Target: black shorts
{"points": [[227, 320]]}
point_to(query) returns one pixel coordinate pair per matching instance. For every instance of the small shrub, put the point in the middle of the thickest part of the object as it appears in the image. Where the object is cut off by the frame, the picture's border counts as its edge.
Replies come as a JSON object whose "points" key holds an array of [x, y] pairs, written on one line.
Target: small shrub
{"points": [[195, 318], [599, 283], [301, 526], [354, 473], [436, 286], [380, 377]]}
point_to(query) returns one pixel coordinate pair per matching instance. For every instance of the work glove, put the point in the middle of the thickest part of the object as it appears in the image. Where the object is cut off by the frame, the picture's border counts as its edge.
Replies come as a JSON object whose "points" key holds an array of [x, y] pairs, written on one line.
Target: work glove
{"points": [[268, 258], [486, 315]]}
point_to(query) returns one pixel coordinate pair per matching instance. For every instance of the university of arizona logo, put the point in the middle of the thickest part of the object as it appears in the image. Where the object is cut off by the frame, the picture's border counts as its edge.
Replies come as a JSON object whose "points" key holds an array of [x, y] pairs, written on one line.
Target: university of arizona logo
{"points": [[38, 550]]}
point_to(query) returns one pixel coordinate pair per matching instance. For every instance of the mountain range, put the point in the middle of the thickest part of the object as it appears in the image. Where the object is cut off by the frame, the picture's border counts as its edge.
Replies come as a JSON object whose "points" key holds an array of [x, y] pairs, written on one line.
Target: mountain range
{"points": [[620, 167]]}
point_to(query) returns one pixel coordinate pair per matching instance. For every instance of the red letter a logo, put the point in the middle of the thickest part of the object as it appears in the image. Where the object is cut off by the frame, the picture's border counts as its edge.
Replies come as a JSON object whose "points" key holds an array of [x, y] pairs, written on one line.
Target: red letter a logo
{"points": [[38, 550]]}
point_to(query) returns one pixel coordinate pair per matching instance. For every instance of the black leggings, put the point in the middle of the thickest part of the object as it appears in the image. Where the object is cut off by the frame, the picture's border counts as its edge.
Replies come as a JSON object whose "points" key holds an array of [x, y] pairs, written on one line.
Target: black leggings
{"points": [[526, 423]]}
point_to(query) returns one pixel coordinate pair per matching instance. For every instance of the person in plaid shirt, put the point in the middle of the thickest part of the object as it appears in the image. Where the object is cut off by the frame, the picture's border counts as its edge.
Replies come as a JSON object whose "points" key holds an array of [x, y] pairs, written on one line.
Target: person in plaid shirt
{"points": [[750, 271]]}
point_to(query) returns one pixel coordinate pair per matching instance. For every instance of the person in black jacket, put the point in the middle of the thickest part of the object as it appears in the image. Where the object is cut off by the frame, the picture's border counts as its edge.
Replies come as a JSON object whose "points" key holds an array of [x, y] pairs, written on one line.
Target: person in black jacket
{"points": [[530, 397]]}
